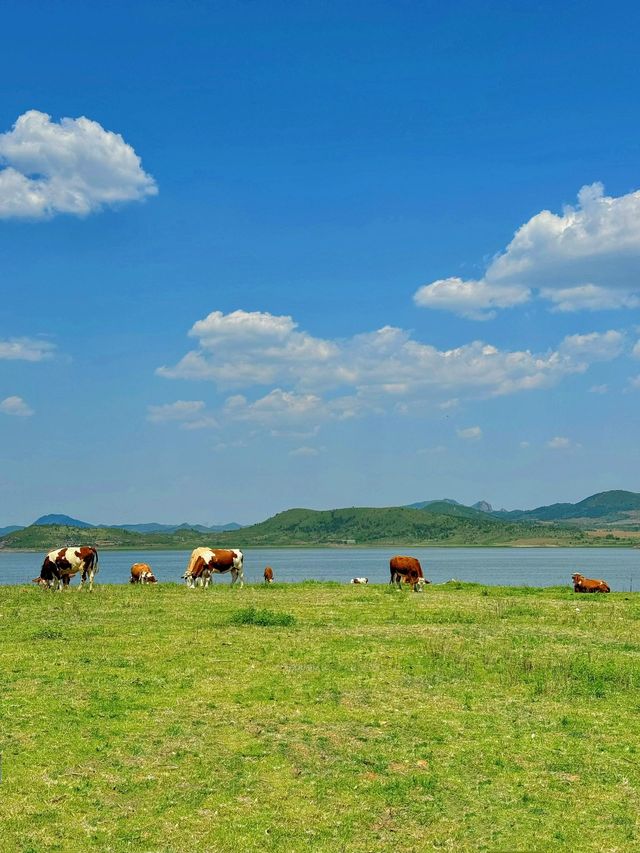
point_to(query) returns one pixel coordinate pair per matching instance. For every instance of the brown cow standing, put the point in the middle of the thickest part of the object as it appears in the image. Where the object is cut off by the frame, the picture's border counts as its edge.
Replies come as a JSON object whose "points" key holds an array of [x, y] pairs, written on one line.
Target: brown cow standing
{"points": [[582, 584], [268, 575], [142, 573], [409, 570], [207, 561], [60, 565]]}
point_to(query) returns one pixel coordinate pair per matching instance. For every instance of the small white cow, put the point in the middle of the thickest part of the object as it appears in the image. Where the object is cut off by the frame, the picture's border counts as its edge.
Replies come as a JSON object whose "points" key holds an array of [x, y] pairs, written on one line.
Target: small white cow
{"points": [[359, 580]]}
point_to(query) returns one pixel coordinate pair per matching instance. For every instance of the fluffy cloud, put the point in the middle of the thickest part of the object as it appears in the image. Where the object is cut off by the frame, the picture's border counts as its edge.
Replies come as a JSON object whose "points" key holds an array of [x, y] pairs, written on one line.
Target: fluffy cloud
{"points": [[189, 414], [278, 408], [251, 348], [476, 300], [72, 166], [470, 433], [15, 406], [583, 259], [311, 379], [26, 349], [559, 442]]}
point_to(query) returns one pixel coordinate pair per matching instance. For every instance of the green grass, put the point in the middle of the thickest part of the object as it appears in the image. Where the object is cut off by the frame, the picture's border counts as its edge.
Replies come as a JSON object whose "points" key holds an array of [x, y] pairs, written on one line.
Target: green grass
{"points": [[316, 717]]}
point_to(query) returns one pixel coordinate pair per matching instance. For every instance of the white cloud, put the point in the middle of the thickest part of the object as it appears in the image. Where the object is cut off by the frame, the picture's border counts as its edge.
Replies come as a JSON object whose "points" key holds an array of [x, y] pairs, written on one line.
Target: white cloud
{"points": [[583, 259], [470, 433], [634, 381], [15, 406], [525, 444], [596, 346], [449, 404], [473, 299], [278, 407], [559, 442], [588, 297], [598, 389], [304, 451], [251, 348], [311, 379], [72, 166], [189, 414], [636, 350], [26, 349]]}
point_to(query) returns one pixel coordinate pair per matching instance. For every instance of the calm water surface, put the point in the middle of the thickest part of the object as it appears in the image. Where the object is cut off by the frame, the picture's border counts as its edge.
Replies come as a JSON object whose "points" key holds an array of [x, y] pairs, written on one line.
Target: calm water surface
{"points": [[495, 566]]}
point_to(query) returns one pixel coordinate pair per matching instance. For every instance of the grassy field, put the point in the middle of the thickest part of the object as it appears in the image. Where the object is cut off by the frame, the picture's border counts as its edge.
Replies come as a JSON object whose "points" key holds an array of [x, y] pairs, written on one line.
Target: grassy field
{"points": [[319, 717]]}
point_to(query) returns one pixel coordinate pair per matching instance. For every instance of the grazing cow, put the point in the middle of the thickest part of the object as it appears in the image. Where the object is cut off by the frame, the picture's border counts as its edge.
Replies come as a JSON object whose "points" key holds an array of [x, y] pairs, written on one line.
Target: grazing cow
{"points": [[359, 580], [409, 570], [142, 573], [268, 575], [582, 584], [59, 567], [205, 562]]}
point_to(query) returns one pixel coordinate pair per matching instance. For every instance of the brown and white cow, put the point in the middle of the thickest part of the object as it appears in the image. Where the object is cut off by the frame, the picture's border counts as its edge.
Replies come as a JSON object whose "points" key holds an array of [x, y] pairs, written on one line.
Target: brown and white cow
{"points": [[205, 562], [142, 573], [582, 584], [359, 580], [268, 575], [409, 570], [60, 565]]}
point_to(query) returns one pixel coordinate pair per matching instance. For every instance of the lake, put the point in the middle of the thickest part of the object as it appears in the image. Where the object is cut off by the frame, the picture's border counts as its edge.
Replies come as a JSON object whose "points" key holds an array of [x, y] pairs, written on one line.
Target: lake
{"points": [[620, 567]]}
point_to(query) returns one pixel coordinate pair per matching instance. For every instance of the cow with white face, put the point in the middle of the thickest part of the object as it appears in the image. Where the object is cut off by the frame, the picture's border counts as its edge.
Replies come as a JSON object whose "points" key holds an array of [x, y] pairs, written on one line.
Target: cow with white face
{"points": [[205, 562], [60, 565]]}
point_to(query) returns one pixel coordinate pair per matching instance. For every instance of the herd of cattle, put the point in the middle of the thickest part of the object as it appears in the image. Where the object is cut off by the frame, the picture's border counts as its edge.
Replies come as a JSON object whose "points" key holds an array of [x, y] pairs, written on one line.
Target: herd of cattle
{"points": [[62, 564]]}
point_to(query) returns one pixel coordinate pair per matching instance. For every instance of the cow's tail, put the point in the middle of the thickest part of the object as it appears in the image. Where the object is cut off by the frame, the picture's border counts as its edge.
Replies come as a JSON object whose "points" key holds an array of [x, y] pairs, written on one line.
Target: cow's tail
{"points": [[95, 561]]}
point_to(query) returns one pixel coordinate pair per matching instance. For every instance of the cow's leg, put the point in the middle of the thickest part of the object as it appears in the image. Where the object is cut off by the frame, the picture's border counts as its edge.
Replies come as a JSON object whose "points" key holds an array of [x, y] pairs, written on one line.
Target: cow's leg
{"points": [[91, 577]]}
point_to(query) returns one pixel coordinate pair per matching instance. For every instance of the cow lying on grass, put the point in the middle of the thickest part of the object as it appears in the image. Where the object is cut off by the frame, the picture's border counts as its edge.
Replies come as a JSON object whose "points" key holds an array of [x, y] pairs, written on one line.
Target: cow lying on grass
{"points": [[359, 580], [582, 584], [61, 565], [141, 573], [409, 570]]}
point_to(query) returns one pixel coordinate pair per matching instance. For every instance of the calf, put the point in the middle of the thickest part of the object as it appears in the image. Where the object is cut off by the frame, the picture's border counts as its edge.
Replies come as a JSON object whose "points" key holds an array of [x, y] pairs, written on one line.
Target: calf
{"points": [[582, 584], [60, 565], [141, 573], [359, 580], [409, 570], [268, 575]]}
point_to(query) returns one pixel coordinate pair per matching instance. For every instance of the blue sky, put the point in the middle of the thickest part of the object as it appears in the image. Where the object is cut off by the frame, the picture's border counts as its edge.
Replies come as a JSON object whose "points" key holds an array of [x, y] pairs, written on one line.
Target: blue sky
{"points": [[262, 255]]}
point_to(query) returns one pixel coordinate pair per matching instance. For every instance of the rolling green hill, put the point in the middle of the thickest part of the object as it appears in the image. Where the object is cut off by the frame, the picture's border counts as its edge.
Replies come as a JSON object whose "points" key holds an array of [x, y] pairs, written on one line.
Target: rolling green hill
{"points": [[439, 523], [602, 508], [395, 525], [457, 511], [46, 537]]}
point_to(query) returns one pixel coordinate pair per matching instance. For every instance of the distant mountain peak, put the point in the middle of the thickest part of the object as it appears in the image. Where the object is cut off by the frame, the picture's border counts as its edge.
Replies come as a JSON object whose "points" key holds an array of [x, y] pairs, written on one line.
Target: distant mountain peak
{"points": [[483, 506], [423, 504], [57, 518]]}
